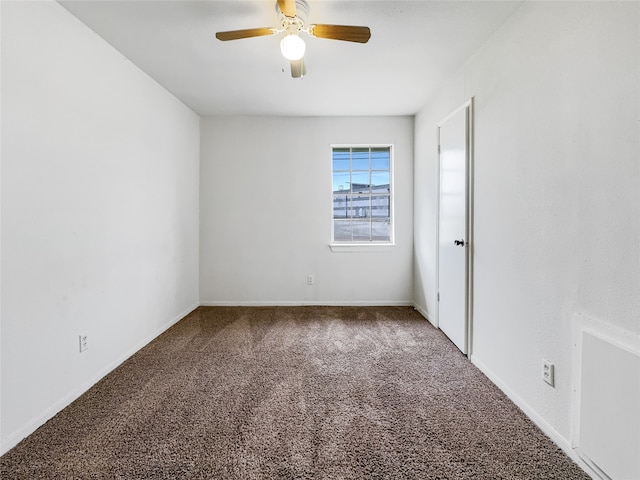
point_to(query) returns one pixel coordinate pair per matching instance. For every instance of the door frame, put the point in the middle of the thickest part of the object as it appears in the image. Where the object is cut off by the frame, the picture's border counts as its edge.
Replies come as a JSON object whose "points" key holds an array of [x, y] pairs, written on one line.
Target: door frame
{"points": [[468, 106]]}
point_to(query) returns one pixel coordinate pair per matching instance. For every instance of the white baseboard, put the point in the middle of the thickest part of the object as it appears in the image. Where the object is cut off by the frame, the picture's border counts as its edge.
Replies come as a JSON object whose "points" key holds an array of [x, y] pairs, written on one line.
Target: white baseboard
{"points": [[16, 437], [41, 419], [305, 303], [540, 422], [422, 311]]}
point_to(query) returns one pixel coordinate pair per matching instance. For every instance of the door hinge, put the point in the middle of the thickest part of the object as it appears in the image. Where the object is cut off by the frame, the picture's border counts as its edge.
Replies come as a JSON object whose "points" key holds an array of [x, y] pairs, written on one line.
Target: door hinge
{"points": [[438, 296]]}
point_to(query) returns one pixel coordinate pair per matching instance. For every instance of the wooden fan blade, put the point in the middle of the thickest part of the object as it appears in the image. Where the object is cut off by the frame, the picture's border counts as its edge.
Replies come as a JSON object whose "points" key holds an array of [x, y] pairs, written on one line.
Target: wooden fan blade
{"points": [[298, 70], [287, 7], [246, 33], [348, 33]]}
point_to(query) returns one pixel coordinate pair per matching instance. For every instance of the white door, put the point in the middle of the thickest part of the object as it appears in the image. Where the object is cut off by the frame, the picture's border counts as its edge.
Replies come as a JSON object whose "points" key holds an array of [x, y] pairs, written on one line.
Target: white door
{"points": [[453, 227]]}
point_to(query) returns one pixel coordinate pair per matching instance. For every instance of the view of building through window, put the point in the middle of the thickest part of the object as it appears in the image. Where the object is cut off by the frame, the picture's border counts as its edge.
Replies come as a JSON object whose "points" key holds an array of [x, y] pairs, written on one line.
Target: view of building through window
{"points": [[362, 194]]}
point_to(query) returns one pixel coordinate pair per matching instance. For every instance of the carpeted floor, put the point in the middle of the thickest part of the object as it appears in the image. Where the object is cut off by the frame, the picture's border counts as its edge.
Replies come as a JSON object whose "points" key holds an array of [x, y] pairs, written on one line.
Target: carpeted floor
{"points": [[292, 393]]}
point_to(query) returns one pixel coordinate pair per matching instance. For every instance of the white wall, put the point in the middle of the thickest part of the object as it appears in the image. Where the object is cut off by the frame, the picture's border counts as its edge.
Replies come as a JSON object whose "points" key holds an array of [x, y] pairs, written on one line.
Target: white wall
{"points": [[266, 213], [99, 211], [557, 191]]}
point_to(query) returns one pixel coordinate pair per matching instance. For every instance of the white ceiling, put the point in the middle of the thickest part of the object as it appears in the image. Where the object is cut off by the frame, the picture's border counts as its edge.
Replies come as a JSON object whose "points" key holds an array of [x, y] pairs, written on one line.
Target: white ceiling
{"points": [[414, 46]]}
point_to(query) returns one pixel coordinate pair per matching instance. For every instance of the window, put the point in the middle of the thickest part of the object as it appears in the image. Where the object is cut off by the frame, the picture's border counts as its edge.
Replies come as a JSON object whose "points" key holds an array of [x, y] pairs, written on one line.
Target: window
{"points": [[362, 195]]}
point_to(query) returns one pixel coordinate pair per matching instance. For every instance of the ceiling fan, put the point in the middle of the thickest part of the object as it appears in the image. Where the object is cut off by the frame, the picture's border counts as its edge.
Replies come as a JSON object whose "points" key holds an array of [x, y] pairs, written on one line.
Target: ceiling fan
{"points": [[293, 20]]}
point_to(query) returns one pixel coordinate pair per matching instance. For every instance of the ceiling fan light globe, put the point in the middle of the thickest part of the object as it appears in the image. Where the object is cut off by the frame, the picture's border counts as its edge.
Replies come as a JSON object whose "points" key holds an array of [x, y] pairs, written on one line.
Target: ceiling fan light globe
{"points": [[292, 47]]}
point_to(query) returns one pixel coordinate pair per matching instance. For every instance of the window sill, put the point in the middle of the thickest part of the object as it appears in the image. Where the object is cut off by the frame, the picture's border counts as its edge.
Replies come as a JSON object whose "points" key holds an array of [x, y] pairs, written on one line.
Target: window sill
{"points": [[361, 247]]}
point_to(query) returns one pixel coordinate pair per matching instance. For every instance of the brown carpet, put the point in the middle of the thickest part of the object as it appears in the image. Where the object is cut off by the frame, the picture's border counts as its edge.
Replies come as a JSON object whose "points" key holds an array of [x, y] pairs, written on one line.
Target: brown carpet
{"points": [[295, 393]]}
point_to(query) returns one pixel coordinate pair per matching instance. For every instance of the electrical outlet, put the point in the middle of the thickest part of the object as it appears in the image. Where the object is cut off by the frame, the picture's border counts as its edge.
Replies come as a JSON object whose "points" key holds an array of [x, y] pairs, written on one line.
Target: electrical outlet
{"points": [[84, 341], [310, 280], [548, 373]]}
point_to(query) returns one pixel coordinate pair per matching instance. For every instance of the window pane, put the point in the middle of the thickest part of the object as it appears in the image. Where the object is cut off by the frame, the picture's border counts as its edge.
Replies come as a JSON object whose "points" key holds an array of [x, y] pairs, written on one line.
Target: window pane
{"points": [[361, 230], [380, 206], [380, 181], [341, 206], [360, 159], [381, 230], [360, 182], [380, 158], [341, 159], [341, 182], [342, 230], [361, 206]]}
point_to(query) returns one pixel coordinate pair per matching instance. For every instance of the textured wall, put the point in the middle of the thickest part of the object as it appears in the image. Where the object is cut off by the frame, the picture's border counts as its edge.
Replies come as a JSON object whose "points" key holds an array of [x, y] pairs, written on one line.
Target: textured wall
{"points": [[557, 191], [266, 213], [99, 211]]}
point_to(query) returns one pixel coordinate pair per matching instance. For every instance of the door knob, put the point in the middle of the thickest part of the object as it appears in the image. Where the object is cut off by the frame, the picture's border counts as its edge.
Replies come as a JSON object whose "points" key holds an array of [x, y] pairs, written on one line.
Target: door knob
{"points": [[459, 243]]}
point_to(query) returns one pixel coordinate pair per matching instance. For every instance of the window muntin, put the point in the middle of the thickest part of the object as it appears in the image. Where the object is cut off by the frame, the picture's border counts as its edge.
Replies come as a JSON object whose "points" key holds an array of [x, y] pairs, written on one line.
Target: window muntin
{"points": [[362, 195]]}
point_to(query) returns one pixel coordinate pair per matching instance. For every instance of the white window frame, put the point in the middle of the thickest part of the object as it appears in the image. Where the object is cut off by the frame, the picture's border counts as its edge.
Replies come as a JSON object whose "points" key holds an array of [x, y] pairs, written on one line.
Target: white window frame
{"points": [[370, 245]]}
